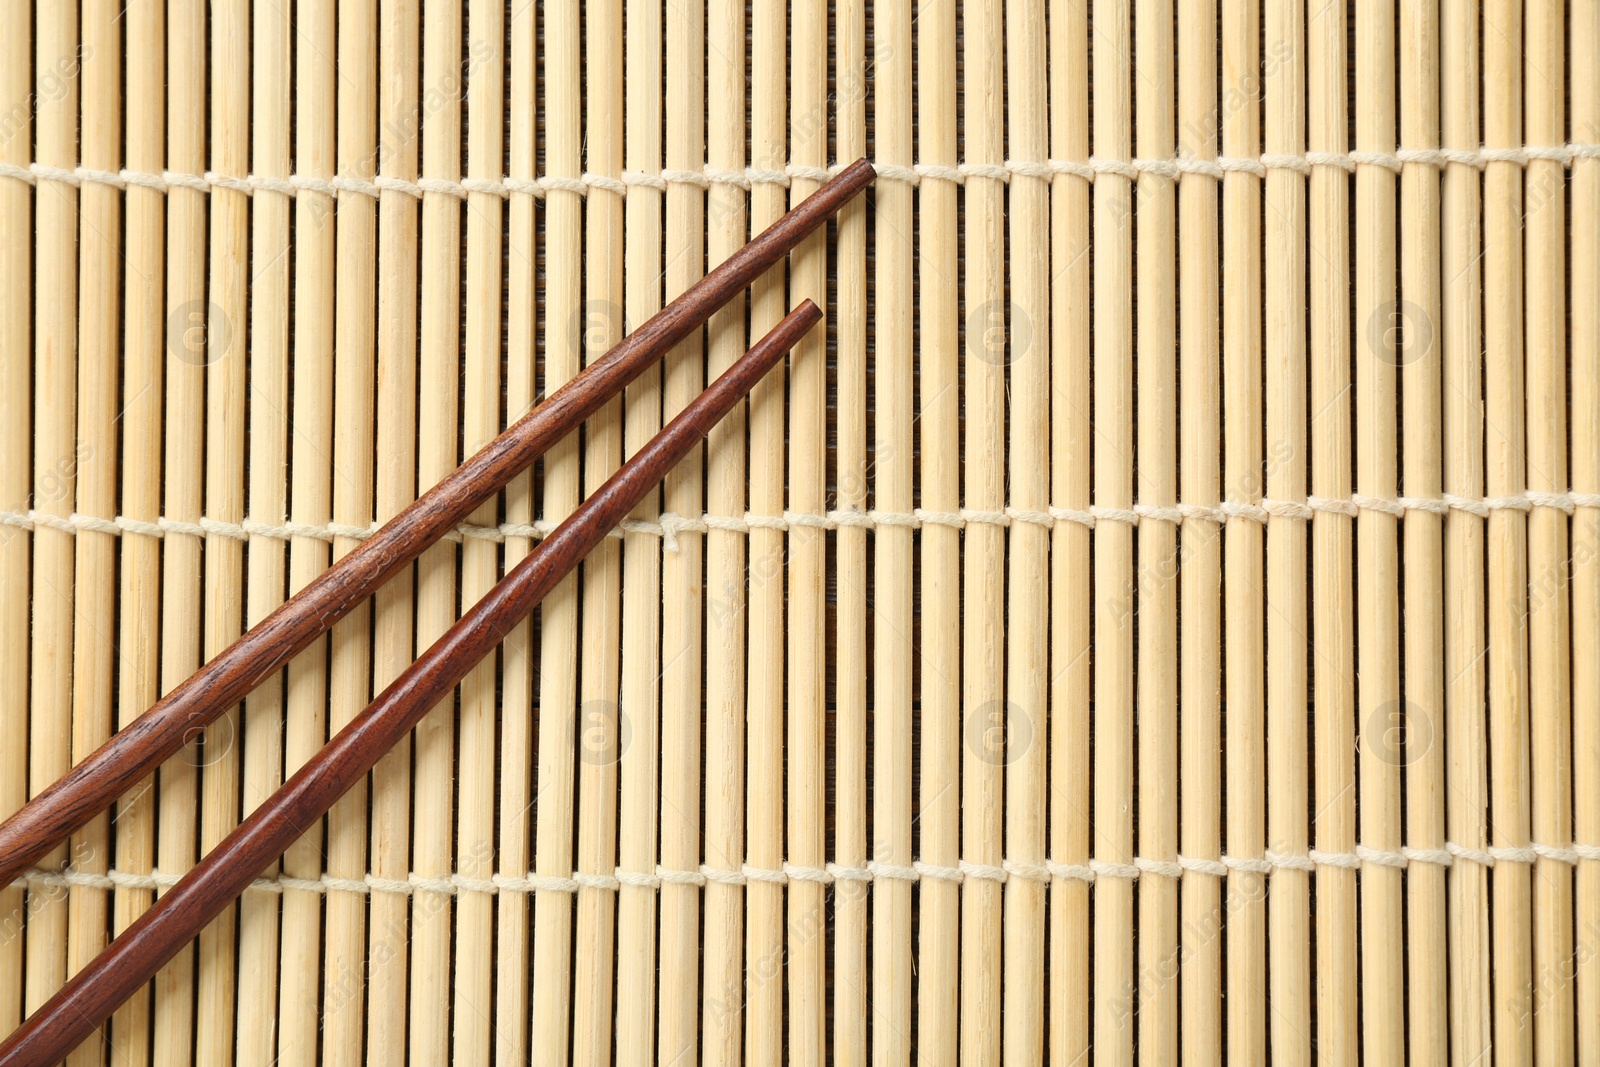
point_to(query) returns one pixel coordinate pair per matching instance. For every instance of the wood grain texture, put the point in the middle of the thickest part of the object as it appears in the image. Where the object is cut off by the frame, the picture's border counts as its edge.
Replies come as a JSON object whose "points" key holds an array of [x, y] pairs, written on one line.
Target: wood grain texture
{"points": [[212, 885], [236, 669], [1155, 620]]}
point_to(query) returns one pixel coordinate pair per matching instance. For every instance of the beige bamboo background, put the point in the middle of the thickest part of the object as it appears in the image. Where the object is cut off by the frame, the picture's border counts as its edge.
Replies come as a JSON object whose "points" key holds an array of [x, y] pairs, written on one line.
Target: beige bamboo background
{"points": [[1158, 619]]}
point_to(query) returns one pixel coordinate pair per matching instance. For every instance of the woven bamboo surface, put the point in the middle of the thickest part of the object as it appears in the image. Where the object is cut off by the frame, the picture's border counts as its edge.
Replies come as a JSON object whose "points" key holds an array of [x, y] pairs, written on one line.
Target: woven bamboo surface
{"points": [[1159, 618]]}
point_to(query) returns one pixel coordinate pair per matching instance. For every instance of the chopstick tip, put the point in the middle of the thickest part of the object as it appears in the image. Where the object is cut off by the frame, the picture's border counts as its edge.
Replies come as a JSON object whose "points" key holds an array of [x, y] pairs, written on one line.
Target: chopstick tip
{"points": [[858, 175], [805, 315]]}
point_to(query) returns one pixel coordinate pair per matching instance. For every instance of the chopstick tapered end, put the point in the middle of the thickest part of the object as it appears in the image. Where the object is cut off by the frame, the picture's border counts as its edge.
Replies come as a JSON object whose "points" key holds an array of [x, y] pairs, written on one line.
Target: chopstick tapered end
{"points": [[858, 175]]}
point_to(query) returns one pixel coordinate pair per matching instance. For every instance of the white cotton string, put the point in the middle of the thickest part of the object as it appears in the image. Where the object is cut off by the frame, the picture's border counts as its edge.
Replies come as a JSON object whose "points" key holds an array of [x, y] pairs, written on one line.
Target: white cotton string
{"points": [[913, 174], [832, 873], [670, 526]]}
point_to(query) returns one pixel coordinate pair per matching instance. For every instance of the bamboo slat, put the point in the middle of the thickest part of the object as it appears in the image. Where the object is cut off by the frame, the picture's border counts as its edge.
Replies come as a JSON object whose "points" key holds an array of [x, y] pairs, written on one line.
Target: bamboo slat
{"points": [[227, 401], [1583, 23], [660, 758], [851, 1002], [394, 615], [55, 462], [600, 612], [1287, 479], [516, 781], [263, 729], [985, 716], [1237, 920], [1549, 624], [1155, 604], [1115, 585], [143, 389], [680, 661], [93, 596], [350, 650], [187, 328], [557, 753], [939, 793], [1200, 544], [438, 426], [1023, 758], [311, 503], [1152, 620], [884, 477], [727, 556], [1333, 663], [1506, 475], [762, 989], [1417, 355], [1461, 340], [16, 578], [1071, 482], [473, 946], [1378, 661], [806, 952]]}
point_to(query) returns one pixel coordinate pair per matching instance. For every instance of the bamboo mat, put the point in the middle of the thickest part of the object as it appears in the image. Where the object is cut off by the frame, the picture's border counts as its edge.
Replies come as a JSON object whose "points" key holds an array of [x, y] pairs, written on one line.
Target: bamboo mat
{"points": [[1159, 618]]}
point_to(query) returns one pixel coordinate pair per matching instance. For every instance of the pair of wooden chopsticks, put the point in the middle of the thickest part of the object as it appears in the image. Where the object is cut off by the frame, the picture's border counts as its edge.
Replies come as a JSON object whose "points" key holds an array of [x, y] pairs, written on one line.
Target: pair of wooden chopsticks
{"points": [[91, 995]]}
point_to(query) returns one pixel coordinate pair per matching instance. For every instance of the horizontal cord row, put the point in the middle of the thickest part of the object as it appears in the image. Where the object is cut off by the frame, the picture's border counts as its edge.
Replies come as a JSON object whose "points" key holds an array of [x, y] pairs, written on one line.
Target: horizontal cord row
{"points": [[746, 177], [832, 873], [670, 525]]}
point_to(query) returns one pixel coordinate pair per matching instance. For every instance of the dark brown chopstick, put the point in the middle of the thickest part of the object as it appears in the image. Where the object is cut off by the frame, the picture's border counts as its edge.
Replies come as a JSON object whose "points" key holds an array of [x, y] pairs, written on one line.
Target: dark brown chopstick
{"points": [[94, 992], [141, 747]]}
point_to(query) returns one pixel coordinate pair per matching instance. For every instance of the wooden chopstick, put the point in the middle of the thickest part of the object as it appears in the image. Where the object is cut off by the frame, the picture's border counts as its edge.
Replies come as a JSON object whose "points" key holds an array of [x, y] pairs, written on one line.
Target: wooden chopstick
{"points": [[93, 993], [139, 748]]}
